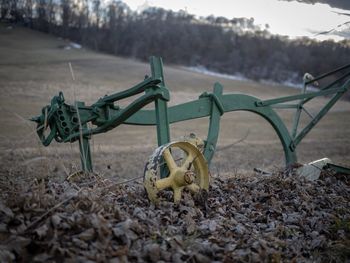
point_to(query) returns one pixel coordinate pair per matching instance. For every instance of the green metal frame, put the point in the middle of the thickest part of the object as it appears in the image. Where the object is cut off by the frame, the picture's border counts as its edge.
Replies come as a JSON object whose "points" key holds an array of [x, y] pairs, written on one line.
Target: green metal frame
{"points": [[68, 123]]}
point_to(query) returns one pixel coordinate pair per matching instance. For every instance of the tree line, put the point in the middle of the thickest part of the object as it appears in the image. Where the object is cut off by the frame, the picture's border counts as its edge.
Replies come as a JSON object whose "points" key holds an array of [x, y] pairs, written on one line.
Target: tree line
{"points": [[230, 46]]}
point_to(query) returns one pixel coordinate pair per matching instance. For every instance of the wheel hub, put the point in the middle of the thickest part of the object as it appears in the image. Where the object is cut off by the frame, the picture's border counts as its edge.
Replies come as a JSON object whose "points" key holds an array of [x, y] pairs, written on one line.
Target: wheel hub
{"points": [[190, 171]]}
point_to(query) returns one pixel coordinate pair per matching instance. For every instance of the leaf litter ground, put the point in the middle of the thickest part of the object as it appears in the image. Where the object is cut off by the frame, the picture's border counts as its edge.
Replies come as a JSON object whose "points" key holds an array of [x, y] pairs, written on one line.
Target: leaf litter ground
{"points": [[256, 218]]}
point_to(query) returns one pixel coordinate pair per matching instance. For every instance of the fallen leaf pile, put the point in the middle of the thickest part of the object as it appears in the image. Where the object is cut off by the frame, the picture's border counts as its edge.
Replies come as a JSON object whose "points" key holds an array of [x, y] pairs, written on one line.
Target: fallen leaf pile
{"points": [[277, 218]]}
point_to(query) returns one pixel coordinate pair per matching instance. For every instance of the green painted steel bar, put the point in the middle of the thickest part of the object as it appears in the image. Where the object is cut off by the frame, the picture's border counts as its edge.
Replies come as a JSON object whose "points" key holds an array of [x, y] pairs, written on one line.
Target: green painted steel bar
{"points": [[331, 85], [122, 114], [161, 108], [85, 154], [231, 102], [141, 87], [217, 110], [187, 111], [328, 74], [241, 102], [296, 121], [338, 169], [285, 106], [298, 97], [298, 113], [161, 111], [320, 115], [84, 145]]}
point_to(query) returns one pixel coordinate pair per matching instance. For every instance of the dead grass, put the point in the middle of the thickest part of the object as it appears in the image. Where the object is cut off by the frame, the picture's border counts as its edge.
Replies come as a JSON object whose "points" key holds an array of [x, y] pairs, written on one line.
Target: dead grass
{"points": [[276, 218]]}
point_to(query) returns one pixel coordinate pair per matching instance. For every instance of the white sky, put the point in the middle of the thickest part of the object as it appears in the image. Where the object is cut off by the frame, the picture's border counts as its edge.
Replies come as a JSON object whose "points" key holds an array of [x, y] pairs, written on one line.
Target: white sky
{"points": [[285, 18]]}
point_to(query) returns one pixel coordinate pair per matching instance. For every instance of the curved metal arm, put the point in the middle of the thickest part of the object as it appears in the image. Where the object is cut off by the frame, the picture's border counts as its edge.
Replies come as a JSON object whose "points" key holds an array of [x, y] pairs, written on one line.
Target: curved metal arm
{"points": [[46, 120], [231, 102], [123, 114], [139, 88], [41, 130]]}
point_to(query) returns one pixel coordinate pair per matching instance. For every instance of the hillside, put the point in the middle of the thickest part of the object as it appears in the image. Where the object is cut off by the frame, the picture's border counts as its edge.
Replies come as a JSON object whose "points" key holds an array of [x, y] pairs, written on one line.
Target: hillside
{"points": [[237, 45], [34, 67]]}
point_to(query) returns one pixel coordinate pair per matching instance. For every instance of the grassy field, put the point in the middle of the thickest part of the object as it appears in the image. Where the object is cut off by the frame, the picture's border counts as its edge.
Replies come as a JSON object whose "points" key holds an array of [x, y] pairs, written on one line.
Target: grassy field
{"points": [[34, 67]]}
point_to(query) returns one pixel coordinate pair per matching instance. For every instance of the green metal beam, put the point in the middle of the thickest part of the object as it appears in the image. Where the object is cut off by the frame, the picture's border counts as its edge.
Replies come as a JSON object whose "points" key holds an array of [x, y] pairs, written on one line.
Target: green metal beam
{"points": [[84, 145], [328, 74], [338, 169], [217, 111], [241, 102], [263, 103], [331, 85], [233, 102], [161, 108], [141, 87], [187, 111], [317, 118], [121, 115]]}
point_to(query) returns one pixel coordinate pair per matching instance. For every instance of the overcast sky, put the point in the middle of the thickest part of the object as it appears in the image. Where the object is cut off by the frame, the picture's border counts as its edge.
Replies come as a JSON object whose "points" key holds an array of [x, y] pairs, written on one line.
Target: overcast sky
{"points": [[290, 18]]}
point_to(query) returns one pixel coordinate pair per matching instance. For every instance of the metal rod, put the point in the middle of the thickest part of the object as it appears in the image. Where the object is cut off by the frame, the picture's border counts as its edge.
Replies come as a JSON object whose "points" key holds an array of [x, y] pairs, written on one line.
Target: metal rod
{"points": [[214, 124], [330, 85], [307, 112], [132, 91], [296, 97], [285, 106], [161, 108], [296, 121], [317, 118], [322, 112], [327, 74], [119, 118], [84, 146], [297, 114]]}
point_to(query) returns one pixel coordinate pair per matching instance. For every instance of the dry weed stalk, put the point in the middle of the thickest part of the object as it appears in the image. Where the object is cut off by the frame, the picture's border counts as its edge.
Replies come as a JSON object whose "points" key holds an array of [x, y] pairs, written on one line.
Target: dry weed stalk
{"points": [[83, 151]]}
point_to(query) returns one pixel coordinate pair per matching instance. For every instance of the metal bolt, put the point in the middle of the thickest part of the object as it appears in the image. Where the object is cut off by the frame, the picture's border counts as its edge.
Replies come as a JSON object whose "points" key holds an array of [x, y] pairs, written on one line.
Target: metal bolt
{"points": [[189, 177]]}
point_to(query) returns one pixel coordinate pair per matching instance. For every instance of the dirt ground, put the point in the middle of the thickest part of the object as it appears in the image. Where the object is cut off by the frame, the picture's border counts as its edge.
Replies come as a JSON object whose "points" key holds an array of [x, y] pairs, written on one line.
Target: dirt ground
{"points": [[34, 67], [279, 218]]}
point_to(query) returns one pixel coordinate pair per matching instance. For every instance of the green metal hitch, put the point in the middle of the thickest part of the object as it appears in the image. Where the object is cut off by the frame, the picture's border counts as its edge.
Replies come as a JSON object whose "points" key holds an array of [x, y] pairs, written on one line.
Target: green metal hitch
{"points": [[69, 123]]}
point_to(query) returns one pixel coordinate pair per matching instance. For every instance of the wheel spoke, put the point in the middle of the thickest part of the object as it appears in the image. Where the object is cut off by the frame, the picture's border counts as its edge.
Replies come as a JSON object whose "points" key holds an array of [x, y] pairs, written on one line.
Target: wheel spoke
{"points": [[164, 183], [182, 173], [177, 194], [194, 188], [186, 165], [169, 160]]}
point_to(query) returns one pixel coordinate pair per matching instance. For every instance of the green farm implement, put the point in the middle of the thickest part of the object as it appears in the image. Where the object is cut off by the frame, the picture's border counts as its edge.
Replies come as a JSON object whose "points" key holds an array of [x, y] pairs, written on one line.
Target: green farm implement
{"points": [[181, 164]]}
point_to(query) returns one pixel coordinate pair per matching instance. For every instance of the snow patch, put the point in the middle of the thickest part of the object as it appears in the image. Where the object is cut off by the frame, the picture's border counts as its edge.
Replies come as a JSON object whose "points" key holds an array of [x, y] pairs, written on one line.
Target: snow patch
{"points": [[288, 83], [205, 71], [72, 45], [291, 84], [75, 45]]}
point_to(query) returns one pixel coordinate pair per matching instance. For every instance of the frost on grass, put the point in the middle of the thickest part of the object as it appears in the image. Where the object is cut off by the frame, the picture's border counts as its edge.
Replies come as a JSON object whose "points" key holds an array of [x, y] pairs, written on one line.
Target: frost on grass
{"points": [[241, 219]]}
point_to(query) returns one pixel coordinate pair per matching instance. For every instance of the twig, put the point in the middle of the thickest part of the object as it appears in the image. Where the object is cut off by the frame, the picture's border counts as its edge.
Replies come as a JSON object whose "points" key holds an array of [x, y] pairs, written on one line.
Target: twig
{"points": [[124, 182], [79, 119], [51, 210], [25, 121], [343, 14], [71, 71], [45, 122], [331, 30], [232, 144], [261, 172]]}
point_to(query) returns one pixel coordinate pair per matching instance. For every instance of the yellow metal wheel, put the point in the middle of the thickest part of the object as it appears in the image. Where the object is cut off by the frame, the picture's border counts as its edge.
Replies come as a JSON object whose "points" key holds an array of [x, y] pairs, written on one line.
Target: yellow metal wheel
{"points": [[187, 169]]}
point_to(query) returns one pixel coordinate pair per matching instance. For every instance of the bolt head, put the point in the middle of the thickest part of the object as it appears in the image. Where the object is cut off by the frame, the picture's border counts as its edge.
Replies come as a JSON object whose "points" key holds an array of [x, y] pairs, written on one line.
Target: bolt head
{"points": [[189, 177]]}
